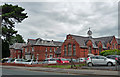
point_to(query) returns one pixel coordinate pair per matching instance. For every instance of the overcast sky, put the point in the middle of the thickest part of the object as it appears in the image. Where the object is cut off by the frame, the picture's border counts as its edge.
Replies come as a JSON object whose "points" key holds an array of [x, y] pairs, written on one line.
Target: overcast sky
{"points": [[54, 20]]}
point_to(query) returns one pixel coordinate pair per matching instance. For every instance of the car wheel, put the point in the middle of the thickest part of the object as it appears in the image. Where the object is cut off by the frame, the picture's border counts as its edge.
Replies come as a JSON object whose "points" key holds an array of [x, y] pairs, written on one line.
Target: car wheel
{"points": [[109, 64], [90, 64]]}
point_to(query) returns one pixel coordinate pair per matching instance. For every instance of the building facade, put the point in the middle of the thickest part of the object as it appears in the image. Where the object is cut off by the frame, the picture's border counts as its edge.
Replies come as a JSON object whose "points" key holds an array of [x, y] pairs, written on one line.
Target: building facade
{"points": [[81, 47], [16, 50], [41, 49], [74, 46]]}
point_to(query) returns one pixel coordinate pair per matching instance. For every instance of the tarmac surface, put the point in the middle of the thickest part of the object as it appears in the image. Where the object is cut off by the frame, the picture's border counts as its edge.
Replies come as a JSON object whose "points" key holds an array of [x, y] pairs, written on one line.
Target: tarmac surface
{"points": [[59, 71]]}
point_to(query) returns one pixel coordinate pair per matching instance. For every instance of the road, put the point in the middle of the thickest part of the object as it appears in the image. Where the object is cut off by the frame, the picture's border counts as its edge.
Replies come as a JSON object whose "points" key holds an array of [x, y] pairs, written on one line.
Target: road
{"points": [[103, 67], [10, 72]]}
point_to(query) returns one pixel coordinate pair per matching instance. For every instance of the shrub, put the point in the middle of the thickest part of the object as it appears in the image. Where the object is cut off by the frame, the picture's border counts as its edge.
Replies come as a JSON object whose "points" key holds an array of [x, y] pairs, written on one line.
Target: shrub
{"points": [[110, 52]]}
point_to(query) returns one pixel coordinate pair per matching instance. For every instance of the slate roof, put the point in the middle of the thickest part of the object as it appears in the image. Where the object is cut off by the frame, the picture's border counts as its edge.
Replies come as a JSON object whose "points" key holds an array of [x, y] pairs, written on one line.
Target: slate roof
{"points": [[17, 46], [82, 41], [32, 41], [40, 41]]}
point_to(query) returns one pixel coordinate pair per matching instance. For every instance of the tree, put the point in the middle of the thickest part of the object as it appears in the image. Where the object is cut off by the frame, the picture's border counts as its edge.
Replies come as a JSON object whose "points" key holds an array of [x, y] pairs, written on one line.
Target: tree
{"points": [[11, 15], [17, 38]]}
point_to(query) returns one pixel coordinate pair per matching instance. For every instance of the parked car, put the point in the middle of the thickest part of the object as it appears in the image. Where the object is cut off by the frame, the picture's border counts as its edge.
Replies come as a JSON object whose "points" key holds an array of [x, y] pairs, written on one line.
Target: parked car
{"points": [[115, 57], [31, 61], [4, 60], [100, 60], [62, 60], [18, 61], [50, 61], [9, 60], [81, 60], [74, 60]]}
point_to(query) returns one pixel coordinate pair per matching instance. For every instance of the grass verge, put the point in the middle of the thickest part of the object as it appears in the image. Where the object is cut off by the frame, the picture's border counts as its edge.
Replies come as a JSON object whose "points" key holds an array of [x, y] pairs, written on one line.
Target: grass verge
{"points": [[64, 66]]}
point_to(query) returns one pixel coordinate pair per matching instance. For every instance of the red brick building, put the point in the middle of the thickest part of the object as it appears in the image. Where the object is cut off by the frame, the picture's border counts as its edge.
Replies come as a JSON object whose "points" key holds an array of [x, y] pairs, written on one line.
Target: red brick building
{"points": [[16, 50], [78, 46], [41, 49], [73, 47]]}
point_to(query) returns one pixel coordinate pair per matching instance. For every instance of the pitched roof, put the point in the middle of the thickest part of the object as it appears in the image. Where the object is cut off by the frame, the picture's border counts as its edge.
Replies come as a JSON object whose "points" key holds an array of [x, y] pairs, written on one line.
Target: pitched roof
{"points": [[58, 43], [31, 41], [47, 42], [82, 41], [17, 46]]}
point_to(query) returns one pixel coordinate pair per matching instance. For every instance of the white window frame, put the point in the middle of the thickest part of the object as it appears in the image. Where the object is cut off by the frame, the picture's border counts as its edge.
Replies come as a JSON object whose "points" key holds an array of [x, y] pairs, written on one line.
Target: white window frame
{"points": [[45, 49], [50, 49], [54, 49], [32, 49]]}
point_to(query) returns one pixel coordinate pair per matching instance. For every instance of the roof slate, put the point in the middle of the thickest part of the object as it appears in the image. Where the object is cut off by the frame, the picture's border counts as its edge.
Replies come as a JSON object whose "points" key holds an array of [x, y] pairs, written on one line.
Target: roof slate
{"points": [[47, 43], [82, 41], [17, 46]]}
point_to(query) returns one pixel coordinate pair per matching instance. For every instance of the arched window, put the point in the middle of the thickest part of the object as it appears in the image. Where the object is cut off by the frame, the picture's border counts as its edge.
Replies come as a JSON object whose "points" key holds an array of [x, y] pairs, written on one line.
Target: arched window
{"points": [[108, 48], [65, 51], [115, 46], [74, 50], [100, 50], [69, 50], [112, 46], [90, 49]]}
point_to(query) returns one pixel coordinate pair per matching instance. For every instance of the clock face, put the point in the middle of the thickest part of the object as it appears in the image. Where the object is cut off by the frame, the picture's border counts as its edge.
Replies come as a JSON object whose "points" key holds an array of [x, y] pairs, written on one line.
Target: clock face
{"points": [[89, 32]]}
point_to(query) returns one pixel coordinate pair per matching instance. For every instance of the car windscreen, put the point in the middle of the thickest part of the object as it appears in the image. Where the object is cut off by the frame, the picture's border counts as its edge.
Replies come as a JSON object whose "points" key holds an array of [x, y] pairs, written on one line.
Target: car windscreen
{"points": [[64, 59], [12, 60], [52, 59], [28, 61]]}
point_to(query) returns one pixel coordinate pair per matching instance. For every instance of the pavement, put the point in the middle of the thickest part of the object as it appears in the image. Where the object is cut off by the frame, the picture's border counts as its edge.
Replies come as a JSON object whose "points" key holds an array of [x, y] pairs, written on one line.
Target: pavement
{"points": [[69, 71]]}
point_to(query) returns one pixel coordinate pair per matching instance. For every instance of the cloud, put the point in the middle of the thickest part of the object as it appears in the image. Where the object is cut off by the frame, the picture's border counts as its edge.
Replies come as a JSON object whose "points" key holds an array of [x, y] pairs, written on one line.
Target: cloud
{"points": [[54, 20]]}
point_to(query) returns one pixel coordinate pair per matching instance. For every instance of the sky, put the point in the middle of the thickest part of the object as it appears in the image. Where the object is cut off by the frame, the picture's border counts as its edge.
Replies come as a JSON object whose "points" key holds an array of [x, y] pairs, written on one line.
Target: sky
{"points": [[55, 20]]}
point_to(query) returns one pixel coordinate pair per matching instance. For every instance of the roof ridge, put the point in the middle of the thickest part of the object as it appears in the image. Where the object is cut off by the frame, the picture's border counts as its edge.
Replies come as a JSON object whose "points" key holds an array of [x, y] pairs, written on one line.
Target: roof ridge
{"points": [[79, 36], [103, 37]]}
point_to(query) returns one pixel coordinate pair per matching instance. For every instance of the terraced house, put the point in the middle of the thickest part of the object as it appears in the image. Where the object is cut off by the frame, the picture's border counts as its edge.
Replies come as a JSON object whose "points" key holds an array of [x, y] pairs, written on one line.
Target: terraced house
{"points": [[79, 46]]}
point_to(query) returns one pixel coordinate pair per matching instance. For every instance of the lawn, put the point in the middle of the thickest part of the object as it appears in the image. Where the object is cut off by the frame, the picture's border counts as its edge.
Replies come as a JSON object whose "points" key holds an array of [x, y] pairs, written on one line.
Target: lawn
{"points": [[64, 66]]}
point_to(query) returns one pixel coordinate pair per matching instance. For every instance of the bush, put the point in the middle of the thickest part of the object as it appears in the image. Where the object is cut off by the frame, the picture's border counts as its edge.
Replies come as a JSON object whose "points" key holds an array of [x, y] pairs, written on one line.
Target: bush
{"points": [[110, 52]]}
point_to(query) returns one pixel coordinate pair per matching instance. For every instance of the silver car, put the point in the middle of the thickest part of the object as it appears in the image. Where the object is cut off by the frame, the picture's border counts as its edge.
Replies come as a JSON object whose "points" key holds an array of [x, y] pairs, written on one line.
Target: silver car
{"points": [[50, 61], [100, 60]]}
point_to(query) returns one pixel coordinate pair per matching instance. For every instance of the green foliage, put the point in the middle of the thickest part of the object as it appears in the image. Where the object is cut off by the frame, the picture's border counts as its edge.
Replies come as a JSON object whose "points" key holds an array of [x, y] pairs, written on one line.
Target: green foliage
{"points": [[110, 52], [17, 38], [64, 66], [5, 48], [11, 14]]}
